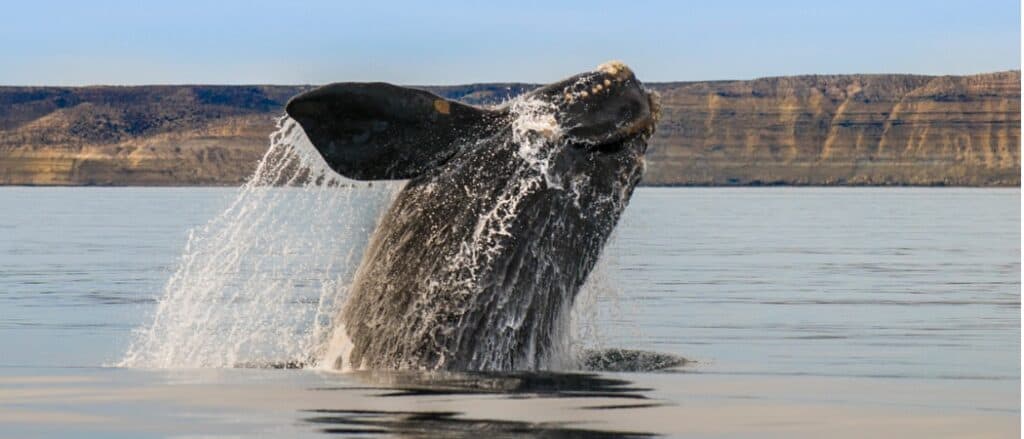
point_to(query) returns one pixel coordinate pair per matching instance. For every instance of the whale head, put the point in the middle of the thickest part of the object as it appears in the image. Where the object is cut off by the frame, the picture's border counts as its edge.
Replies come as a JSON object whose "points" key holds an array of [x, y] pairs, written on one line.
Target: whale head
{"points": [[370, 131], [603, 109]]}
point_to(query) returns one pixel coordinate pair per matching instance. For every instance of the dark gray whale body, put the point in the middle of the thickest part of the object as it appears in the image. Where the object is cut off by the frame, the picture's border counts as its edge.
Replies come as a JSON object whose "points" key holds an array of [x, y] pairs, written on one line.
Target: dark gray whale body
{"points": [[478, 261]]}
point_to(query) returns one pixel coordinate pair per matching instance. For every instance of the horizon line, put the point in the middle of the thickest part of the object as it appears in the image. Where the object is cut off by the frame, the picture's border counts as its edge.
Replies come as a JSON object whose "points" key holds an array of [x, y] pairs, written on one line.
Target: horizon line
{"points": [[268, 84]]}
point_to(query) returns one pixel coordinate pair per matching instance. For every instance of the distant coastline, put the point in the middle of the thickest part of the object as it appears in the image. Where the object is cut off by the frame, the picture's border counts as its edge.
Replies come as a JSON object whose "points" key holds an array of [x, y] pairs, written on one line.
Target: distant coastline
{"points": [[814, 130]]}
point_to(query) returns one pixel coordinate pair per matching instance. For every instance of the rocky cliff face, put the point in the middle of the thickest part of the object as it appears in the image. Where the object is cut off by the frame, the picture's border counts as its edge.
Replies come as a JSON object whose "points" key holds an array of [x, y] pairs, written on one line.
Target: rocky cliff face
{"points": [[840, 130], [834, 130], [153, 135]]}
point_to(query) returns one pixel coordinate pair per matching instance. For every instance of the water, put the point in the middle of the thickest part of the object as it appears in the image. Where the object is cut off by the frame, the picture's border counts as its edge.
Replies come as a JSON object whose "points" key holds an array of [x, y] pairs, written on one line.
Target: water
{"points": [[850, 282], [895, 294]]}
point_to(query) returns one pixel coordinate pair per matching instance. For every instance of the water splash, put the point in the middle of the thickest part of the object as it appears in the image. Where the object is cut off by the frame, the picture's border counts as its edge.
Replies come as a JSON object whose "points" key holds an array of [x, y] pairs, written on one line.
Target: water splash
{"points": [[264, 280]]}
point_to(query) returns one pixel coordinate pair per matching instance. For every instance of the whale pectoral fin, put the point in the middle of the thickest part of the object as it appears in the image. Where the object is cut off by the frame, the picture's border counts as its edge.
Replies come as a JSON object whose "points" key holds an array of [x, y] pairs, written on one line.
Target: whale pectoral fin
{"points": [[379, 131]]}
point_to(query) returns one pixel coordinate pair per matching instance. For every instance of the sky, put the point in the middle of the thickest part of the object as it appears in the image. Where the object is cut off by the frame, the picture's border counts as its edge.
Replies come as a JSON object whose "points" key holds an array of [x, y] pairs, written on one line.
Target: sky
{"points": [[48, 42]]}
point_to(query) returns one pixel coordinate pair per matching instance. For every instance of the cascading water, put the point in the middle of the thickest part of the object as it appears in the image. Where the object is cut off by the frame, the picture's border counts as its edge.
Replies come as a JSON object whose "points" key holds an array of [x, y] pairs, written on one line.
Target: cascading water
{"points": [[262, 282]]}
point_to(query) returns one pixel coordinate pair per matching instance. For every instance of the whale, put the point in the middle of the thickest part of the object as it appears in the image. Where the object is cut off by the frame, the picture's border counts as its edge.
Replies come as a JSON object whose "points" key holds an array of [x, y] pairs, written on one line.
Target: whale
{"points": [[477, 263]]}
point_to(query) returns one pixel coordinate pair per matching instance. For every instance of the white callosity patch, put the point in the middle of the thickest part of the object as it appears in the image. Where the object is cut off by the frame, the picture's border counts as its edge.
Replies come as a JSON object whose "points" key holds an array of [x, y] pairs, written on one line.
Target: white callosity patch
{"points": [[262, 282], [616, 72]]}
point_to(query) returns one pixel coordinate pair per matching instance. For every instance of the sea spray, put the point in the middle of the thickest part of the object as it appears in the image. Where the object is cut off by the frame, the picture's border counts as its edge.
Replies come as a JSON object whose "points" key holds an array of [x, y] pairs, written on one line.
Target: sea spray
{"points": [[262, 282]]}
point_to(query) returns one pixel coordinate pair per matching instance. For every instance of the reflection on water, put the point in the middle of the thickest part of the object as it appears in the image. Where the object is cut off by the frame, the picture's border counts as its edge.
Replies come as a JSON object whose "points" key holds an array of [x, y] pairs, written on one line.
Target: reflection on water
{"points": [[446, 424], [232, 403], [516, 385]]}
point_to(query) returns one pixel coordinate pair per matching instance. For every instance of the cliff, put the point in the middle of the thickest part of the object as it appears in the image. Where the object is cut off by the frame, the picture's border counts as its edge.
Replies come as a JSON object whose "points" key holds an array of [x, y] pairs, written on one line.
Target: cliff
{"points": [[804, 130], [840, 130], [151, 135]]}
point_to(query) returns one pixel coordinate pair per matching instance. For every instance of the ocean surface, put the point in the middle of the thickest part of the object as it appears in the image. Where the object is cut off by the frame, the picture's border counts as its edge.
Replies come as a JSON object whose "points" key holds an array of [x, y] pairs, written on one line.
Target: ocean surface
{"points": [[890, 304]]}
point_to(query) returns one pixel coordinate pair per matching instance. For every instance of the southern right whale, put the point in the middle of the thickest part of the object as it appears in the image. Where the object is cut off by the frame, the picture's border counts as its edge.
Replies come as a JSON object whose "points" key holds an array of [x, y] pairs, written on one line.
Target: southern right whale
{"points": [[478, 261]]}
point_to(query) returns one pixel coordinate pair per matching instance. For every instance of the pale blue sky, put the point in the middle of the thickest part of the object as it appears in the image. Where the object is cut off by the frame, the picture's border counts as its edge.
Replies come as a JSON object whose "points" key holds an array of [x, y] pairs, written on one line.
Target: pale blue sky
{"points": [[289, 42]]}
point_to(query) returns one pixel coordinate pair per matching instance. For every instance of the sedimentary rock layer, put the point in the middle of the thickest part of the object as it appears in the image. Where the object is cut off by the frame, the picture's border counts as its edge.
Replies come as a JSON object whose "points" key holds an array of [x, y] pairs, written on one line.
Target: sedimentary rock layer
{"points": [[802, 130], [840, 130]]}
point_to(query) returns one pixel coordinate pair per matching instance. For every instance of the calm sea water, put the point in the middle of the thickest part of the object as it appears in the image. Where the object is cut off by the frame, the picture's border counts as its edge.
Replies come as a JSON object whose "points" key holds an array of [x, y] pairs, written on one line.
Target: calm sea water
{"points": [[895, 283], [878, 282]]}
